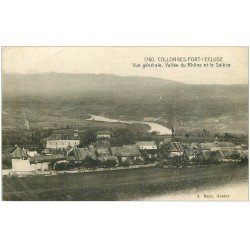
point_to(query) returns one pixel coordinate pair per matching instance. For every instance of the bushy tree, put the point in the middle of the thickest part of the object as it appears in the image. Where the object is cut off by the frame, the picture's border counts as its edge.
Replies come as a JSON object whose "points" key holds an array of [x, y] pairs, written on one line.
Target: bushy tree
{"points": [[181, 160], [244, 160], [235, 156], [109, 163], [125, 136], [92, 163], [227, 136], [89, 137], [126, 163]]}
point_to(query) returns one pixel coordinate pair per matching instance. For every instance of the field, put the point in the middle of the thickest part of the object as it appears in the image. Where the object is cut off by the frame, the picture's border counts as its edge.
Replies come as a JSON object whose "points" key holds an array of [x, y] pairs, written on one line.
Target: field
{"points": [[131, 184], [236, 123]]}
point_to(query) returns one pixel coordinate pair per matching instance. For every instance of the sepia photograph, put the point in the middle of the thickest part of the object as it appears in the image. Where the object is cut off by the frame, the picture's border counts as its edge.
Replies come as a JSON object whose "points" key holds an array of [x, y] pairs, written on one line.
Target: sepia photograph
{"points": [[125, 123]]}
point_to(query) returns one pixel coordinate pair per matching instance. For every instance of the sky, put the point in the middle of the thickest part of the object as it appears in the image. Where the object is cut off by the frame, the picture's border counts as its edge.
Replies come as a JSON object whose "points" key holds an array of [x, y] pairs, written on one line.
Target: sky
{"points": [[119, 60]]}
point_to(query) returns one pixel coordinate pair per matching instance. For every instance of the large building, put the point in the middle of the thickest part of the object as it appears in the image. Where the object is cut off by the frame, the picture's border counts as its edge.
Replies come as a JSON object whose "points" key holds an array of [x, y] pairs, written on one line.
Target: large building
{"points": [[57, 141], [103, 134]]}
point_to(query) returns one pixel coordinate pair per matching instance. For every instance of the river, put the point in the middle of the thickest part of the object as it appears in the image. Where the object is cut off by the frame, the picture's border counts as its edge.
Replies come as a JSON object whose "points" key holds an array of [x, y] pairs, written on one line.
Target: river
{"points": [[160, 129]]}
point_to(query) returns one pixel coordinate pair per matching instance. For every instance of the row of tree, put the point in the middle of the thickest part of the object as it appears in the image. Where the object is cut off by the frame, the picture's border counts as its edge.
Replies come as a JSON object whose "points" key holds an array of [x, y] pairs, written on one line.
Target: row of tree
{"points": [[88, 162]]}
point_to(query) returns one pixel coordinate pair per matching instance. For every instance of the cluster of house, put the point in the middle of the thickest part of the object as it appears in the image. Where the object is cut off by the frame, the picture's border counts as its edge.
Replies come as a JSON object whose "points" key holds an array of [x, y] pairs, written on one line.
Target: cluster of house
{"points": [[124, 155], [206, 152], [60, 148]]}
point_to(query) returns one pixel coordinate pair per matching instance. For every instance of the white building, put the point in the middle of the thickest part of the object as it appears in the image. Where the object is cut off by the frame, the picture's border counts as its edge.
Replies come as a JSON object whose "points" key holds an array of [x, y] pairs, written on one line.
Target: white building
{"points": [[147, 145], [103, 135], [27, 162], [20, 161], [21, 166], [62, 141], [54, 144], [32, 153]]}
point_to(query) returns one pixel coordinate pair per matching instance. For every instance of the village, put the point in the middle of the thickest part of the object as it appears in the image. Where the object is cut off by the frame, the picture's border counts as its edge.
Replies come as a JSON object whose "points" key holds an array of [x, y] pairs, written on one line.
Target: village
{"points": [[68, 153]]}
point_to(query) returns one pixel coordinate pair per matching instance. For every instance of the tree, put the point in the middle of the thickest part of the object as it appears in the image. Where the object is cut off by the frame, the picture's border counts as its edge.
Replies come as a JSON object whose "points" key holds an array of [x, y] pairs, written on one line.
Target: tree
{"points": [[235, 156], [227, 136], [112, 162], [125, 135], [205, 133], [154, 133], [89, 137], [180, 160], [92, 163]]}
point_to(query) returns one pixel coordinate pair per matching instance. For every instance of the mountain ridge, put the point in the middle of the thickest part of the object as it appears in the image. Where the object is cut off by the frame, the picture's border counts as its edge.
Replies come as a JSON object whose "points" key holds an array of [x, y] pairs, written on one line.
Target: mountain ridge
{"points": [[108, 86]]}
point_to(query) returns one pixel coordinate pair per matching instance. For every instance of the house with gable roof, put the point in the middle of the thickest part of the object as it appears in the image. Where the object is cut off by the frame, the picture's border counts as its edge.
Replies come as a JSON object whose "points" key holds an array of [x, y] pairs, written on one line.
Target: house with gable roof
{"points": [[20, 161]]}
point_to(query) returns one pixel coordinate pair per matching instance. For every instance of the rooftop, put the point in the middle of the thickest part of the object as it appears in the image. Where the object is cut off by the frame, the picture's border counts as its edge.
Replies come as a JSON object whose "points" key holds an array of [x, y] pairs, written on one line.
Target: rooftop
{"points": [[175, 147], [62, 137], [102, 151], [19, 153], [125, 151], [103, 133], [146, 143], [46, 158], [82, 153], [209, 145]]}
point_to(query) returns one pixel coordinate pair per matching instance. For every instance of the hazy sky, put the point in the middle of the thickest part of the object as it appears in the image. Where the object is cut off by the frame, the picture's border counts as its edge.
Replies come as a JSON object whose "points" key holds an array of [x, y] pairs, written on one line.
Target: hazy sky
{"points": [[118, 61]]}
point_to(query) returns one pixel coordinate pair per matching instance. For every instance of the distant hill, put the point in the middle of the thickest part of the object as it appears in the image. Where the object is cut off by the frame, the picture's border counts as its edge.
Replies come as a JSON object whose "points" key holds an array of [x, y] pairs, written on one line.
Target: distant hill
{"points": [[132, 97], [56, 84], [125, 87]]}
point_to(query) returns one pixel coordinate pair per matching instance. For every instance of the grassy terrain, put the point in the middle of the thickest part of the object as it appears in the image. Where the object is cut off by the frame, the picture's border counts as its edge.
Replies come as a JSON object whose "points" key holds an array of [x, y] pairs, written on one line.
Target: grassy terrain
{"points": [[236, 123], [120, 185]]}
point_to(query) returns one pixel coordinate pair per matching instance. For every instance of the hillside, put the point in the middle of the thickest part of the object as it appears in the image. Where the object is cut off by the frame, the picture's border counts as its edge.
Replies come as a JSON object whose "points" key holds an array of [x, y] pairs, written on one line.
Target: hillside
{"points": [[55, 84], [63, 95]]}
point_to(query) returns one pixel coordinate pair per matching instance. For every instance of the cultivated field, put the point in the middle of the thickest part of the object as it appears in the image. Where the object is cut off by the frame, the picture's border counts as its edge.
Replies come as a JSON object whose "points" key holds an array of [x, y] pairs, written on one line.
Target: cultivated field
{"points": [[130, 184], [235, 123]]}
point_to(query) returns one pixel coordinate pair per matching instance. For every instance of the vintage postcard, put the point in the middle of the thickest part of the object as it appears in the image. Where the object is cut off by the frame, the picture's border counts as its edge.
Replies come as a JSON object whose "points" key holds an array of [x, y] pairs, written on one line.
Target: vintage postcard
{"points": [[125, 123]]}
